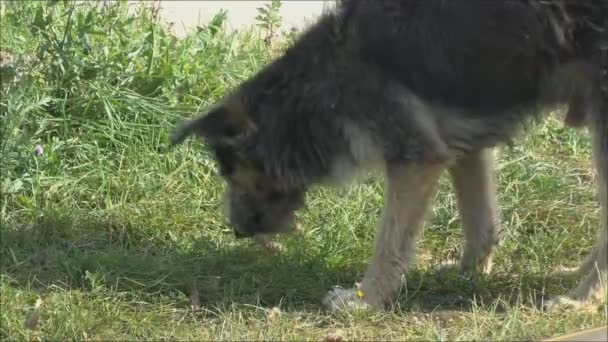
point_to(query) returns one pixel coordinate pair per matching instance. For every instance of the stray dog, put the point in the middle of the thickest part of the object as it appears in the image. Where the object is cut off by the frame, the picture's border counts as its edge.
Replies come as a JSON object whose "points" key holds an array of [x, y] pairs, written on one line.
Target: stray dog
{"points": [[413, 88]]}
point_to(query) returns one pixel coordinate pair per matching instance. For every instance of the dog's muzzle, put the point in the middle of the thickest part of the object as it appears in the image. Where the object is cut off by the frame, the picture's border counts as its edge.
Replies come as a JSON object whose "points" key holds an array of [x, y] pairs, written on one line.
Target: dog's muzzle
{"points": [[241, 235]]}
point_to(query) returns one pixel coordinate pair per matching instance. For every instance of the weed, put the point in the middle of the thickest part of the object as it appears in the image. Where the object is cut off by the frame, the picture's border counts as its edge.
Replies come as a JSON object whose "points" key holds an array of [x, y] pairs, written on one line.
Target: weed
{"points": [[269, 19]]}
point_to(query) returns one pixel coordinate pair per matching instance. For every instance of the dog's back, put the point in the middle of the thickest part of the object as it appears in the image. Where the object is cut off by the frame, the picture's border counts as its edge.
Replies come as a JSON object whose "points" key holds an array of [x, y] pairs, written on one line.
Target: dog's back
{"points": [[483, 67], [481, 55]]}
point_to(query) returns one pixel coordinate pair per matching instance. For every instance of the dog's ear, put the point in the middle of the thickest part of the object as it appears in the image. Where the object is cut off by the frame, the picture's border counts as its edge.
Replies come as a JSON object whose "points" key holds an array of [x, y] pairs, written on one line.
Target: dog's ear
{"points": [[221, 125]]}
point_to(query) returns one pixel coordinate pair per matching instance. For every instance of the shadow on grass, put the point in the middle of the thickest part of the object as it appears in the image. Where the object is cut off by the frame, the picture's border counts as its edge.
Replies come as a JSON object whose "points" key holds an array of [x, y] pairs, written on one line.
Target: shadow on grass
{"points": [[53, 253], [56, 252], [447, 290]]}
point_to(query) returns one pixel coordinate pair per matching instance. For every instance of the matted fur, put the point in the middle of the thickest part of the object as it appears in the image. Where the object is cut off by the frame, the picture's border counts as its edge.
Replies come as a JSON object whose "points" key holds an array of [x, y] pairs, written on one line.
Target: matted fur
{"points": [[413, 88]]}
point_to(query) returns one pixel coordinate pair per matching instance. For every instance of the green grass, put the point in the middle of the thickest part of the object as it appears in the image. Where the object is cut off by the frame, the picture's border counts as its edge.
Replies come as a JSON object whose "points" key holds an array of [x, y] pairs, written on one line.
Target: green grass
{"points": [[117, 238]]}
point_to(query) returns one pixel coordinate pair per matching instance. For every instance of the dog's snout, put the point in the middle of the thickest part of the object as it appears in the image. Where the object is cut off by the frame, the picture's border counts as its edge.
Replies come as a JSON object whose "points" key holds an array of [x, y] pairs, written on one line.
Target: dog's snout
{"points": [[240, 235]]}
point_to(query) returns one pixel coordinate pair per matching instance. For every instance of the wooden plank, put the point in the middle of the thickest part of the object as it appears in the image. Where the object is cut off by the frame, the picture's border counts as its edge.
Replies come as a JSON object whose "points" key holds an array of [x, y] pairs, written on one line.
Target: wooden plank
{"points": [[597, 334]]}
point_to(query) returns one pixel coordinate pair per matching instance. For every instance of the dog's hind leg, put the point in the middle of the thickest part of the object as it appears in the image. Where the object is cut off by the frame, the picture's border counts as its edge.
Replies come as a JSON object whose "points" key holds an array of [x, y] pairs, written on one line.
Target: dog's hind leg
{"points": [[594, 285], [408, 195], [474, 181], [582, 269]]}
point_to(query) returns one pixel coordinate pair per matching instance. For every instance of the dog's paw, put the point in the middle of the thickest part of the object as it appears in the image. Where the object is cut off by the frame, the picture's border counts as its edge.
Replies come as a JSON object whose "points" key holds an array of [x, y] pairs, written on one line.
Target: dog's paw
{"points": [[340, 299], [447, 266], [566, 303], [483, 268], [274, 248], [476, 264], [269, 245], [567, 272], [465, 270]]}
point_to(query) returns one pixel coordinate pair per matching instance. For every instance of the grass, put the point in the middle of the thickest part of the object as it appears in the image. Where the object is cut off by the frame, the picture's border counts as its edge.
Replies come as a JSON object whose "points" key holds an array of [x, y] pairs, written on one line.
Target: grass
{"points": [[108, 236]]}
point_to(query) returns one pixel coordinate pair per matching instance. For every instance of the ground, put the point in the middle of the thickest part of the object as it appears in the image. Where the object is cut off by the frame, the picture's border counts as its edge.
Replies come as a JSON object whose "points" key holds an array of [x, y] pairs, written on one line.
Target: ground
{"points": [[108, 235]]}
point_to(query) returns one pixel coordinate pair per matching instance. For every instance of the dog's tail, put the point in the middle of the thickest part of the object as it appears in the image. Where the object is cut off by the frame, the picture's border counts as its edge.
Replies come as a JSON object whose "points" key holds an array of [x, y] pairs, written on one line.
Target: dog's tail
{"points": [[592, 16], [599, 127]]}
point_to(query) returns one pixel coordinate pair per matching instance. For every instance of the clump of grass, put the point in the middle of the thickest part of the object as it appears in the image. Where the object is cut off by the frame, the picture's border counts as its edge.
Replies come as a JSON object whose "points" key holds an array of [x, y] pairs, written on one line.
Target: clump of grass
{"points": [[102, 82], [105, 235]]}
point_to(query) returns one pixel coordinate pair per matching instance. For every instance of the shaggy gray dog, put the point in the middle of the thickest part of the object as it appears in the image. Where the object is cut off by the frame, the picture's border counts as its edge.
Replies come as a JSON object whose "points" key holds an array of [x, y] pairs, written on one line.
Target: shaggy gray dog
{"points": [[413, 88]]}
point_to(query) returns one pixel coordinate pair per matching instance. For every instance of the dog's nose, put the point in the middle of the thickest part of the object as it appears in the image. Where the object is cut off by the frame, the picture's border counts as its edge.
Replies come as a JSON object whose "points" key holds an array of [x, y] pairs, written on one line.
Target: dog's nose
{"points": [[240, 235]]}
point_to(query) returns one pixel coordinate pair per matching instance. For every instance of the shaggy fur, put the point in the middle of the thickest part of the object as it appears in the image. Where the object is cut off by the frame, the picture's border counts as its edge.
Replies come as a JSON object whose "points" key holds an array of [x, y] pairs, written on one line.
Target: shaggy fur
{"points": [[414, 88]]}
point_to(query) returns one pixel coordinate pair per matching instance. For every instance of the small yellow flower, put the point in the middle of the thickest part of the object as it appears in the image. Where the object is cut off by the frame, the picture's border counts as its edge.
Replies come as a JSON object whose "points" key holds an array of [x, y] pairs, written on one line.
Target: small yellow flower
{"points": [[360, 294]]}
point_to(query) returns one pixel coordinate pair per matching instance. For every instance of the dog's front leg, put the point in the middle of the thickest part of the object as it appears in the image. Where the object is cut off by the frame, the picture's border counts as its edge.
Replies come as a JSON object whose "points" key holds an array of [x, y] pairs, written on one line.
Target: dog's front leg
{"points": [[408, 195], [474, 181]]}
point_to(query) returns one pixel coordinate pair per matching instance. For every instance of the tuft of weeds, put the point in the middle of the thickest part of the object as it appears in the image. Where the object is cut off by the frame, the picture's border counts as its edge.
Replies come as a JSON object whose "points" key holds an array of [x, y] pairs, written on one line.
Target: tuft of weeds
{"points": [[106, 235]]}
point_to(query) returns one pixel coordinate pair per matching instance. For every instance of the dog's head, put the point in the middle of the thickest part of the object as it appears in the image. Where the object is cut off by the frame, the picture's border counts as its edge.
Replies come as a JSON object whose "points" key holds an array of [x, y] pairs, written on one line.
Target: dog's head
{"points": [[256, 203]]}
